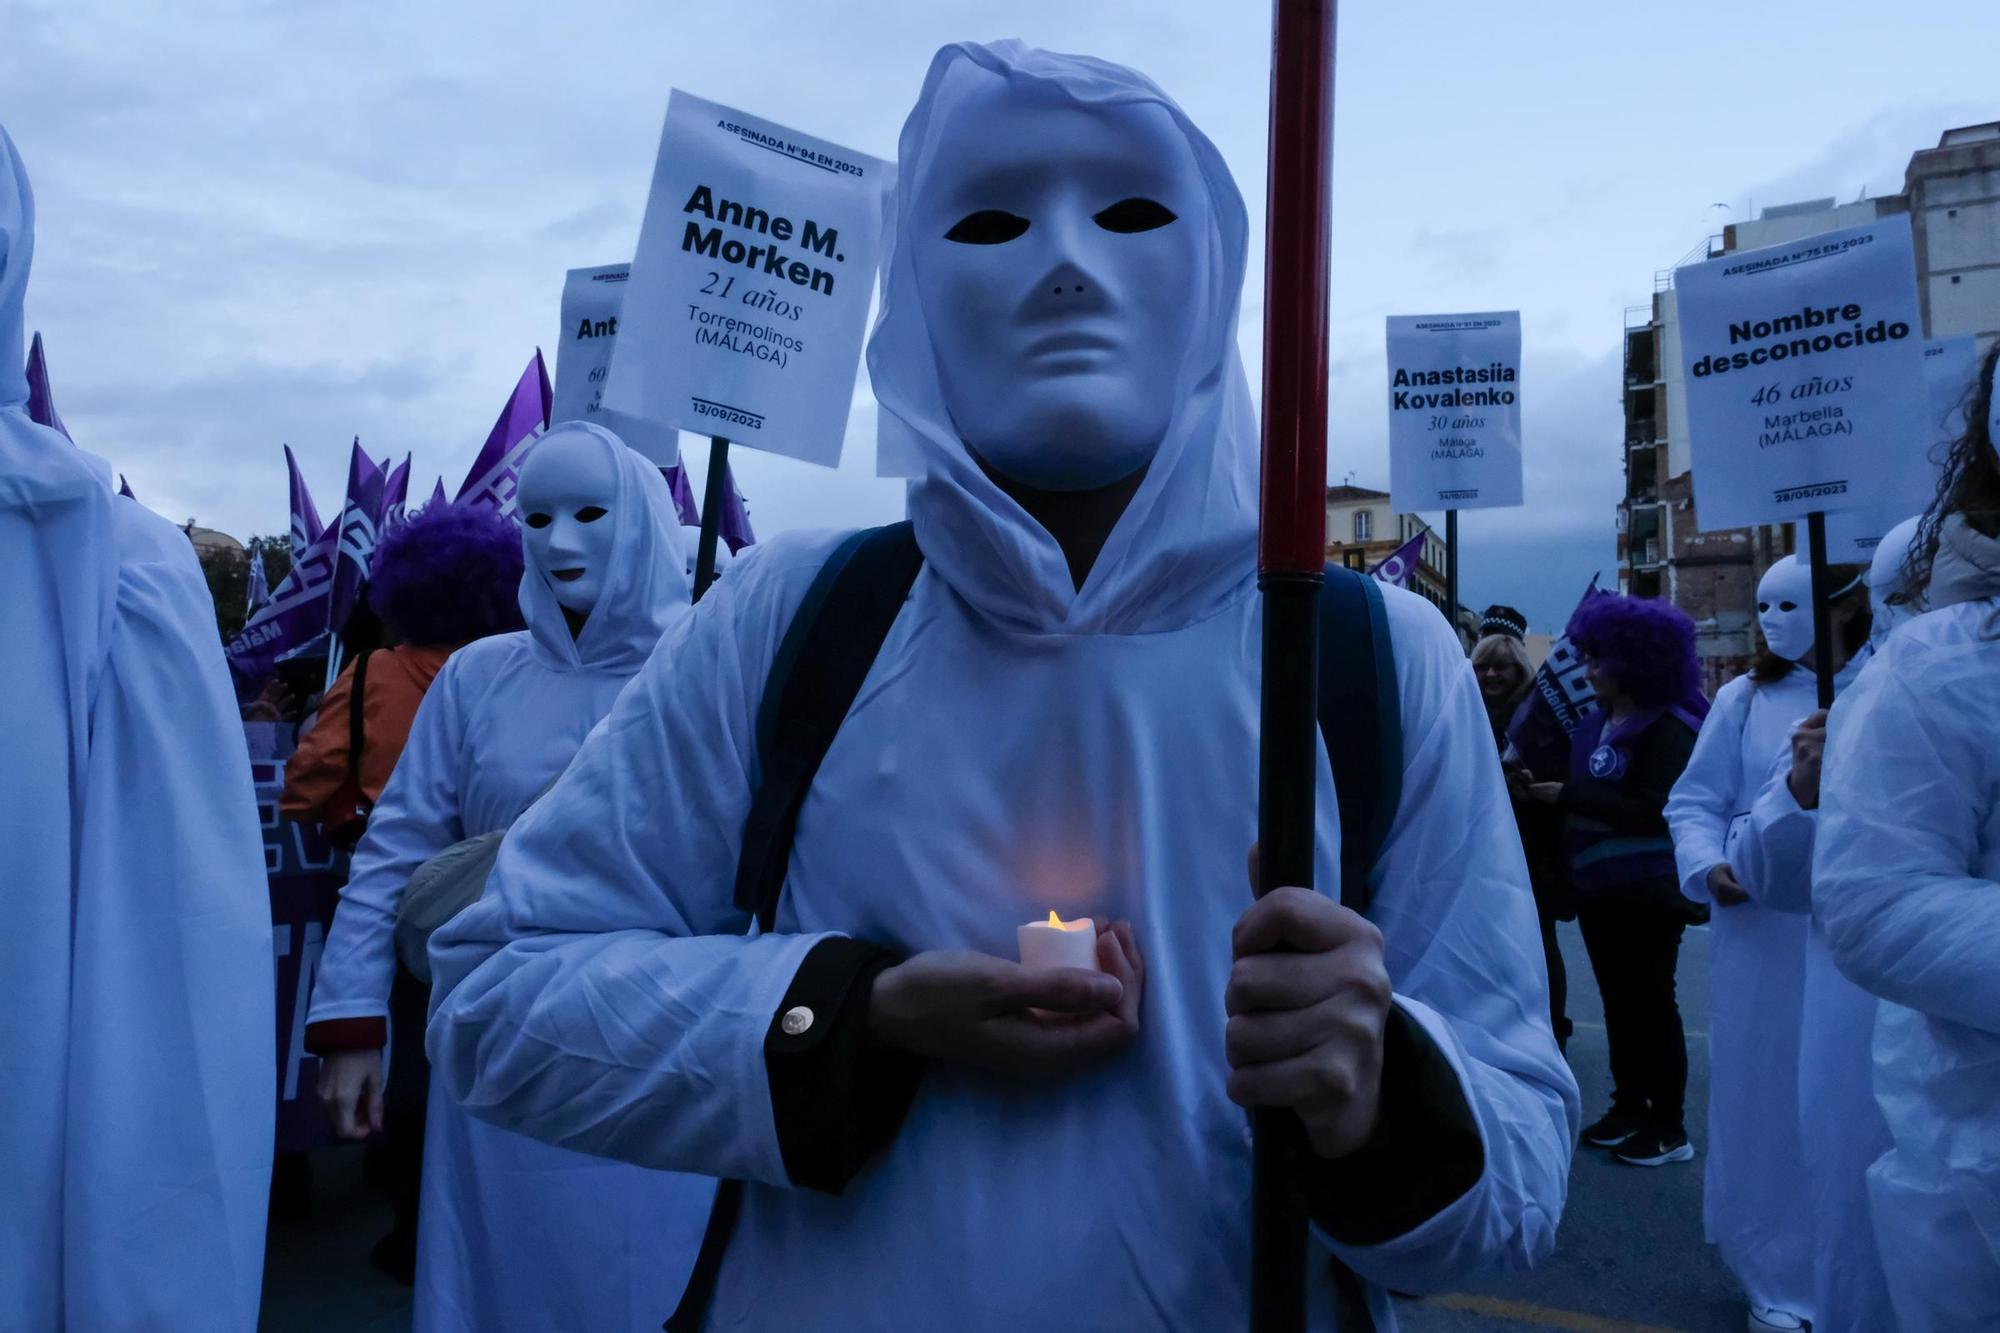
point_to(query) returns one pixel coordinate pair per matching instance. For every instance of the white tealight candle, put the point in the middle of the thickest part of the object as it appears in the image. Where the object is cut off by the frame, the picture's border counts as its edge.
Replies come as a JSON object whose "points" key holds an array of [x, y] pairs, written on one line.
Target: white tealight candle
{"points": [[1058, 943]]}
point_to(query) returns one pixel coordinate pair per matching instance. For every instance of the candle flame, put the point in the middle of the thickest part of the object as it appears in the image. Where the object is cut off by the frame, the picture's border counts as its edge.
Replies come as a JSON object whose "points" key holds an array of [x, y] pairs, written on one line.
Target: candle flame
{"points": [[1055, 920]]}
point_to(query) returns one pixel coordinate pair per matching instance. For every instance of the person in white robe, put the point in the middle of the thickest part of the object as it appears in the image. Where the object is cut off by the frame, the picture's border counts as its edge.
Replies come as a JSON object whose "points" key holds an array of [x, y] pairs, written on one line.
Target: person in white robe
{"points": [[1906, 882], [514, 1234], [1063, 716], [1841, 1130], [1756, 1199], [138, 1065]]}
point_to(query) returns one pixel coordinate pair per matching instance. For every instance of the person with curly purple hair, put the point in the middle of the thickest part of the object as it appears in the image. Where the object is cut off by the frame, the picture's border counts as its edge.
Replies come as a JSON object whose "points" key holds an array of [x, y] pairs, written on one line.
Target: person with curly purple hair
{"points": [[1624, 760]]}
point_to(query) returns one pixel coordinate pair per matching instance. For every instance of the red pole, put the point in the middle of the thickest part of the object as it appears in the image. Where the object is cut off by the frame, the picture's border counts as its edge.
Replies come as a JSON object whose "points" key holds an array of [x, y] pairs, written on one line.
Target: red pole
{"points": [[1291, 560]]}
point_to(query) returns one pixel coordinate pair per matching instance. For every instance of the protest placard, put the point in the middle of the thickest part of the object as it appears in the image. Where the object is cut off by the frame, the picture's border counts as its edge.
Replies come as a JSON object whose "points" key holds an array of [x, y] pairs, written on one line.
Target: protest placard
{"points": [[592, 299], [1804, 366], [748, 297], [1455, 411]]}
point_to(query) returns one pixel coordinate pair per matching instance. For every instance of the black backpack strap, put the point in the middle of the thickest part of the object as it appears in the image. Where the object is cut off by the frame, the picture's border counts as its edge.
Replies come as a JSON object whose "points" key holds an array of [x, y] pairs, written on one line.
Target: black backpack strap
{"points": [[1361, 721], [357, 732], [838, 629]]}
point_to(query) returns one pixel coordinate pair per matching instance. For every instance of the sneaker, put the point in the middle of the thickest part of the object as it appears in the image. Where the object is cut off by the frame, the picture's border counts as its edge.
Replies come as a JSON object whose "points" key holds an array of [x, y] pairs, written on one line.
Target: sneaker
{"points": [[1770, 1319], [1616, 1126], [1655, 1147]]}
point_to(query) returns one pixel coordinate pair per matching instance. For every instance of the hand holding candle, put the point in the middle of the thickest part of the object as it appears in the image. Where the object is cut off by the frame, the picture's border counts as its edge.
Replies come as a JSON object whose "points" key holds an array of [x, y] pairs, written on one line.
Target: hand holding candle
{"points": [[1038, 1020]]}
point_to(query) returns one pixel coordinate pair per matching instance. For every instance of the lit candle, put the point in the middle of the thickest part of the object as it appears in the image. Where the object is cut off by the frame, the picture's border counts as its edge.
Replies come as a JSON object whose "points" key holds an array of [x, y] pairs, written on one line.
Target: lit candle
{"points": [[1058, 943]]}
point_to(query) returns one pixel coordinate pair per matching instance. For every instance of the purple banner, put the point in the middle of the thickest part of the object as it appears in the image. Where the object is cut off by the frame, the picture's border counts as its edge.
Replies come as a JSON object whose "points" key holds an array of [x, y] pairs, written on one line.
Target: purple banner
{"points": [[492, 479], [1538, 736], [306, 526], [41, 401], [396, 494], [734, 525], [360, 524], [1400, 565], [304, 875]]}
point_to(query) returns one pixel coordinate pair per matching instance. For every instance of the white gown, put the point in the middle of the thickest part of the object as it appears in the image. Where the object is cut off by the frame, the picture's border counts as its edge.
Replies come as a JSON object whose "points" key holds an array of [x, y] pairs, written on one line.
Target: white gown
{"points": [[138, 1070], [1907, 883], [1018, 745], [1755, 1198], [1840, 1127], [516, 1236]]}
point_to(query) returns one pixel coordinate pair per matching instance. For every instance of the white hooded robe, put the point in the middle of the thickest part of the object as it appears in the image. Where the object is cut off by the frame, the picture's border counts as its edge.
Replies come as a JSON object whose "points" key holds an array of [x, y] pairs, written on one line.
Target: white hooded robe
{"points": [[1906, 880], [515, 1234], [138, 1065], [1018, 745]]}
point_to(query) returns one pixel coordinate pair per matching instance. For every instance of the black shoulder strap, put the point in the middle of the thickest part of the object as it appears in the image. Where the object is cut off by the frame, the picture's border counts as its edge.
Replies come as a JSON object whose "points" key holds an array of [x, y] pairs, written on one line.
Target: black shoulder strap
{"points": [[357, 732], [834, 636], [1361, 721]]}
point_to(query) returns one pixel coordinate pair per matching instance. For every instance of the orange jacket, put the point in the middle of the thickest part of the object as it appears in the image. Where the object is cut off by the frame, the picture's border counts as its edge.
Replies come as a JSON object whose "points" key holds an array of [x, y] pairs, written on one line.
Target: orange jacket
{"points": [[318, 769]]}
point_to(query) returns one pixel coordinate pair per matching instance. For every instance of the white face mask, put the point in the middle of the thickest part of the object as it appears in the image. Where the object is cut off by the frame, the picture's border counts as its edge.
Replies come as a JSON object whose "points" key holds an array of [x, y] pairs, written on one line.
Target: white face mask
{"points": [[1784, 608], [1885, 579], [1060, 253], [568, 490]]}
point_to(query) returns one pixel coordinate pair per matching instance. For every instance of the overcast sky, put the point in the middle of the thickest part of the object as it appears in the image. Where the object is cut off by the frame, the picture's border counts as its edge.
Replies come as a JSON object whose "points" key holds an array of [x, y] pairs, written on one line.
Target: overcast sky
{"points": [[302, 222]]}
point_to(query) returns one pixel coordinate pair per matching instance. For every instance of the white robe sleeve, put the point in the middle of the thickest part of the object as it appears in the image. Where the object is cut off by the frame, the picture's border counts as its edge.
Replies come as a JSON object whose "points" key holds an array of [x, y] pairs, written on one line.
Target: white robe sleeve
{"points": [[1464, 952], [1705, 799], [604, 974], [172, 1064], [1774, 851], [417, 817], [1909, 778]]}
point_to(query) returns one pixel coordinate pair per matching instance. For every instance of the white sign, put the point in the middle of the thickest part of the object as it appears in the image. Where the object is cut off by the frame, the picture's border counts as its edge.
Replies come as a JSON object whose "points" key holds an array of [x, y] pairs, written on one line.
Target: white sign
{"points": [[1455, 411], [1910, 481], [1804, 370], [749, 292], [591, 300]]}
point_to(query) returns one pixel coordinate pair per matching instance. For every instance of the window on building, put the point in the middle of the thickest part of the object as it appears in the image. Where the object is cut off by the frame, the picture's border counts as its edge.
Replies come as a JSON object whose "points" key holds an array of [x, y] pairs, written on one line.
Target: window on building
{"points": [[1364, 525], [1354, 560]]}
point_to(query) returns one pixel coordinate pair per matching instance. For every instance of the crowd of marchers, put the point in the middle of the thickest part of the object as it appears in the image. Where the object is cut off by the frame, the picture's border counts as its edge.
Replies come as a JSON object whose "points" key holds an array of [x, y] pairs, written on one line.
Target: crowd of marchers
{"points": [[675, 972]]}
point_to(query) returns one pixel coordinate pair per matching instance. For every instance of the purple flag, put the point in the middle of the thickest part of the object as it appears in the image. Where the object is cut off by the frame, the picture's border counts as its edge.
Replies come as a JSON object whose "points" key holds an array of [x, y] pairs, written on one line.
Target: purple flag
{"points": [[1400, 565], [493, 475], [360, 523], [293, 621], [677, 482], [306, 526], [437, 494], [395, 494], [260, 587], [734, 525], [1538, 735], [41, 402], [125, 487]]}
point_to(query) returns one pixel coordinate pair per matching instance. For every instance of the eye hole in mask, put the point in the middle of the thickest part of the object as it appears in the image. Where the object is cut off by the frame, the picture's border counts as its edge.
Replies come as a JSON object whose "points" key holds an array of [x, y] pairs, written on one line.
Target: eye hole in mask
{"points": [[1788, 606], [1135, 215], [989, 226], [590, 513], [537, 520]]}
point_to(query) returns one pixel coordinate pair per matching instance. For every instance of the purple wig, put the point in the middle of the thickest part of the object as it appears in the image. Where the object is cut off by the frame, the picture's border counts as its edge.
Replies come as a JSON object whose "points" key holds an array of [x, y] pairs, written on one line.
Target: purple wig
{"points": [[448, 574], [1644, 644]]}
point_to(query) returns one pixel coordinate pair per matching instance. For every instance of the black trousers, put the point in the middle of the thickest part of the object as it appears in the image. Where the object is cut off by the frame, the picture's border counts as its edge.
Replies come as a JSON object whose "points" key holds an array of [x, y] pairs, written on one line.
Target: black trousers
{"points": [[1634, 948], [1558, 979], [404, 1100]]}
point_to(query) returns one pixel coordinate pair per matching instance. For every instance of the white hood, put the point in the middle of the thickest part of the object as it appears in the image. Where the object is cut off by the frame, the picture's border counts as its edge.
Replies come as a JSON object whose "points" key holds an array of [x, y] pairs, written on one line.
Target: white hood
{"points": [[648, 585], [37, 465], [1188, 537]]}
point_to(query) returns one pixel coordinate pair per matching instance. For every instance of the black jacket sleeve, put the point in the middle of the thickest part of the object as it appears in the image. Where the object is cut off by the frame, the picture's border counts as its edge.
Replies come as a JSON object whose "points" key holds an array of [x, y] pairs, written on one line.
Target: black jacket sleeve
{"points": [[836, 1097], [1636, 803], [1424, 1155]]}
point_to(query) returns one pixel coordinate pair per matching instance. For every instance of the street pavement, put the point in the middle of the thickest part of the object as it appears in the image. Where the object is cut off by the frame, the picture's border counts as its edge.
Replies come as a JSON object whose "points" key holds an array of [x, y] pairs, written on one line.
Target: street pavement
{"points": [[1629, 1257]]}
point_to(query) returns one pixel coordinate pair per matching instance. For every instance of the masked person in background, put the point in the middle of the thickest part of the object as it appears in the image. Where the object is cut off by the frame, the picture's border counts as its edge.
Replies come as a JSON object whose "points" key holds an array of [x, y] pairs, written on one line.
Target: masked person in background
{"points": [[447, 575], [515, 1234], [137, 1072], [1062, 715], [1756, 1201], [1906, 882], [1840, 1128]]}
